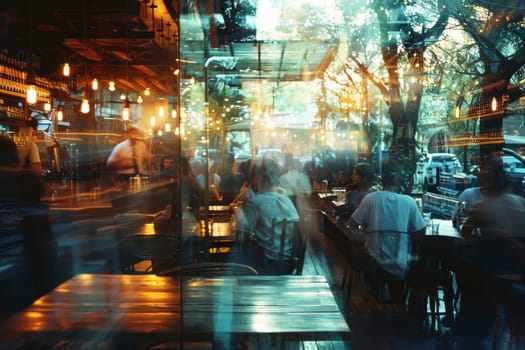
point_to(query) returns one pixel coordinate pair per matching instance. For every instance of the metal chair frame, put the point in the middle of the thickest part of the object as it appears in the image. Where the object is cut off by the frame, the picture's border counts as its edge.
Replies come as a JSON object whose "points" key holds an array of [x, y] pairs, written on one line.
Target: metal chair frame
{"points": [[159, 249]]}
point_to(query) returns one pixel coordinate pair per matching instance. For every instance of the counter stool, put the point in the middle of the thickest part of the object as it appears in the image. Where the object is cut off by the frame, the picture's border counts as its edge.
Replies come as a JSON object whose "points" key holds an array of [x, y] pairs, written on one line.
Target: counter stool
{"points": [[431, 282]]}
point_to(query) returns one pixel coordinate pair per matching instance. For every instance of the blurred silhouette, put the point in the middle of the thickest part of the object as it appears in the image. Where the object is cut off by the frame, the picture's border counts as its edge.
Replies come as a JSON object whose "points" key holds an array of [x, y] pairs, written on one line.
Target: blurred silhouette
{"points": [[261, 206], [23, 213], [295, 182], [494, 233], [129, 157], [361, 185]]}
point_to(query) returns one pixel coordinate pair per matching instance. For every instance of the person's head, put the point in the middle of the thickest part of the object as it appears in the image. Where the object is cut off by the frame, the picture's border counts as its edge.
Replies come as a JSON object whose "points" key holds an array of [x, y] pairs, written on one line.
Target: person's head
{"points": [[391, 175], [244, 168], [8, 152], [167, 163], [341, 175], [492, 177], [131, 134], [362, 175], [266, 175], [186, 167]]}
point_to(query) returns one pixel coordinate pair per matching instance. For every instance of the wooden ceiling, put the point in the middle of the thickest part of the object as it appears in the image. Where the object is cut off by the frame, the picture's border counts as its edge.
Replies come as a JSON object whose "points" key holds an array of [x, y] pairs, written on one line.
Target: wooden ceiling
{"points": [[133, 42]]}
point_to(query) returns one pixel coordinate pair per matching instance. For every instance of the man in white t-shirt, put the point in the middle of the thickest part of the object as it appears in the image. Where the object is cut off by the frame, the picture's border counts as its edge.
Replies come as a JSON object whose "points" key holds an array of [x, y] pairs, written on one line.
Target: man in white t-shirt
{"points": [[128, 157], [388, 219]]}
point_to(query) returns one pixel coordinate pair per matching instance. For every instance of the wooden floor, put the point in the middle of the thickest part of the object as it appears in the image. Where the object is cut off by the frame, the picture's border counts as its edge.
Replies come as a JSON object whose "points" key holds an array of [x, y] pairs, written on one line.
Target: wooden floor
{"points": [[376, 325]]}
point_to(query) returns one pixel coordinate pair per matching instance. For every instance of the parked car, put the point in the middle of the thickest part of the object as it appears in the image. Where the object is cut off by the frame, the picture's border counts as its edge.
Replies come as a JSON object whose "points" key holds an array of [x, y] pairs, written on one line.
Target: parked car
{"points": [[514, 167], [433, 164]]}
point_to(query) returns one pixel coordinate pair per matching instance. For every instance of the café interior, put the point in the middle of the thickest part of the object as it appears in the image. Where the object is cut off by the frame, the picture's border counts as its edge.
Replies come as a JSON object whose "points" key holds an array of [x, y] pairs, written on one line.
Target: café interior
{"points": [[148, 261]]}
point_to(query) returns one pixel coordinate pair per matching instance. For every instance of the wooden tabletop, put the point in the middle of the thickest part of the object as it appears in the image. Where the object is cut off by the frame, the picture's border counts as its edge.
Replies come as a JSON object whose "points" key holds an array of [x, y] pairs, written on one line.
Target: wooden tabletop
{"points": [[149, 306]]}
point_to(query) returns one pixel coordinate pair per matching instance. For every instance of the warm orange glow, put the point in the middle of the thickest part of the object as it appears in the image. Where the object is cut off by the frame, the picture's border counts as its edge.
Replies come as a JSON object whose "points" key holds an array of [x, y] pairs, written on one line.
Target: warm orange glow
{"points": [[494, 104], [84, 107], [66, 70], [31, 94], [60, 113], [94, 84]]}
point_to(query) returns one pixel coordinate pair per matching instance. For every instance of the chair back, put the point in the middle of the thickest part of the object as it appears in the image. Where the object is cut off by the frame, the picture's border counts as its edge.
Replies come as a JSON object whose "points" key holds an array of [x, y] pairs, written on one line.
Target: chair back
{"points": [[290, 235], [210, 269], [392, 250], [161, 250]]}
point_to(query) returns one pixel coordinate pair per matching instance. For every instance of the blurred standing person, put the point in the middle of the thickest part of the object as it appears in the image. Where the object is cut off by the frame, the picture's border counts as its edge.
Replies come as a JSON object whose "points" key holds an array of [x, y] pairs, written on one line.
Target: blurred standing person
{"points": [[214, 182], [129, 157], [23, 212], [296, 182], [262, 204]]}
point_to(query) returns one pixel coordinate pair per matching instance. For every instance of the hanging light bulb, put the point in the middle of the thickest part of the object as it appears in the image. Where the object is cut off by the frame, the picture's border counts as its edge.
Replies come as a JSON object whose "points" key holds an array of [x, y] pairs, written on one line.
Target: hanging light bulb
{"points": [[60, 113], [84, 107], [152, 121], [494, 104], [31, 94], [66, 70], [94, 84], [47, 106], [147, 92], [111, 85], [125, 109], [167, 127], [139, 99], [161, 111], [174, 113]]}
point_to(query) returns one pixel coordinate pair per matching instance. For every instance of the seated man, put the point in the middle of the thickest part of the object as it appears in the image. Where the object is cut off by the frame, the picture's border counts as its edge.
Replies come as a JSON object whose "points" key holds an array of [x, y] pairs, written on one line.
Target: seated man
{"points": [[262, 205], [387, 219]]}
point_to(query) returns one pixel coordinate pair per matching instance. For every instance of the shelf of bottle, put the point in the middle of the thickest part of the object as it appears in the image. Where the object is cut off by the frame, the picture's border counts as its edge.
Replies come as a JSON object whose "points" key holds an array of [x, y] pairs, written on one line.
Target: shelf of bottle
{"points": [[17, 89]]}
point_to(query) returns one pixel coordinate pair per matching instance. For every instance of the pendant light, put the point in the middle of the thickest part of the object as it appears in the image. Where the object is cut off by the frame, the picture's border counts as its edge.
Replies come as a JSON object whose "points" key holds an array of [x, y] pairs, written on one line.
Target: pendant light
{"points": [[125, 109], [84, 107], [47, 106], [60, 113], [66, 70], [31, 94]]}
